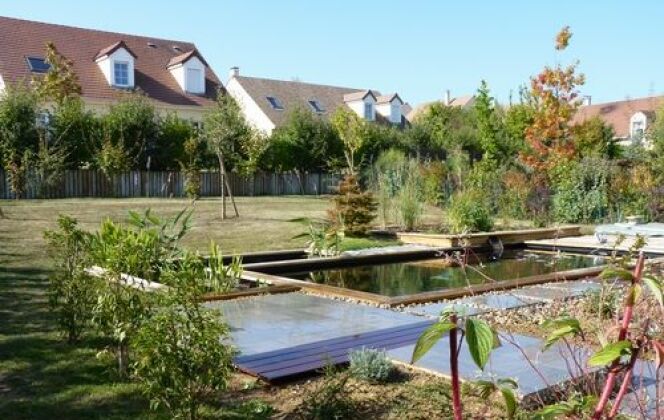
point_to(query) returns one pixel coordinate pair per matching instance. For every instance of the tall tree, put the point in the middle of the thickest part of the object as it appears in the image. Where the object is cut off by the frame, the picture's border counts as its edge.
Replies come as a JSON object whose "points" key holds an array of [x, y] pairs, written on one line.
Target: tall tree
{"points": [[225, 130], [555, 96], [490, 133]]}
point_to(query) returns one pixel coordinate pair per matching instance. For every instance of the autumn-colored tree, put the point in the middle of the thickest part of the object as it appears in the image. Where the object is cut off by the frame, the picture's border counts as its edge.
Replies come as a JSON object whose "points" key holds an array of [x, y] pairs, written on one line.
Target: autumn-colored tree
{"points": [[60, 82], [555, 97]]}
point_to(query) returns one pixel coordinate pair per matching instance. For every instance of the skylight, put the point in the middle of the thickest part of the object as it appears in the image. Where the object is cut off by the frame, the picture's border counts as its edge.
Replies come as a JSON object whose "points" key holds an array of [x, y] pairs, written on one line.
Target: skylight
{"points": [[316, 106], [38, 65], [274, 102]]}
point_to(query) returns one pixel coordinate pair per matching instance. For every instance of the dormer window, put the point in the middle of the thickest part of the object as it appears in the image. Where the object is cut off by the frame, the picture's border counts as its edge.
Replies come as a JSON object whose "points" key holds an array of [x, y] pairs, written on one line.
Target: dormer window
{"points": [[117, 64], [316, 106], [368, 111], [194, 79], [189, 71], [275, 103], [121, 73]]}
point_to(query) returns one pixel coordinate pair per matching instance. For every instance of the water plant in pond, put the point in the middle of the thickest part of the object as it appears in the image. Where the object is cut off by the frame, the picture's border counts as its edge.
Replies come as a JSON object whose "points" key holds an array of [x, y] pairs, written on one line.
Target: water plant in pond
{"points": [[323, 238], [220, 277]]}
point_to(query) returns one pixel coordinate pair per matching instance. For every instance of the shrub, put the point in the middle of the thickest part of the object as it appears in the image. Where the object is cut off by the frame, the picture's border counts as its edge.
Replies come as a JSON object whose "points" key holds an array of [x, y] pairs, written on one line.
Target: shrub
{"points": [[354, 209], [468, 213], [331, 400], [409, 199], [180, 359], [581, 191], [222, 277], [71, 290], [371, 365]]}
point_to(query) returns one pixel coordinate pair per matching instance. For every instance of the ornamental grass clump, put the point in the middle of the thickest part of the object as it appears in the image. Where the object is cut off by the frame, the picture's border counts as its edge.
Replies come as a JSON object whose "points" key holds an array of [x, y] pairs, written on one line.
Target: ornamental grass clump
{"points": [[468, 212], [371, 365]]}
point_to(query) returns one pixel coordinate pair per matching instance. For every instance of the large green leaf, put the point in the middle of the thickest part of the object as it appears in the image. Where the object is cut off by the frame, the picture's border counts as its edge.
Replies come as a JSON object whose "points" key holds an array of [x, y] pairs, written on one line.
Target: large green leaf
{"points": [[510, 401], [655, 287], [610, 353], [563, 328], [480, 339], [429, 337]]}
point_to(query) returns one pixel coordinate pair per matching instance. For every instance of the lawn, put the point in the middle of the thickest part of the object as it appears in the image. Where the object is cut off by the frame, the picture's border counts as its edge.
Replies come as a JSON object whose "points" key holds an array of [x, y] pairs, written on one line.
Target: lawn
{"points": [[42, 377]]}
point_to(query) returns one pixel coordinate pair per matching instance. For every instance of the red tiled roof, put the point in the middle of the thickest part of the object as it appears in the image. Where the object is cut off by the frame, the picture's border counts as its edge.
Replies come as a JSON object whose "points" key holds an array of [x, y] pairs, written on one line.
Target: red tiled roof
{"points": [[617, 114], [22, 38], [112, 48]]}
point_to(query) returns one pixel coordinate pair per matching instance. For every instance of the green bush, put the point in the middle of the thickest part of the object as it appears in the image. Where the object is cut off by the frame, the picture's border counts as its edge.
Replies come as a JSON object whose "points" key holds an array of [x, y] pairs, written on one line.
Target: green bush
{"points": [[331, 400], [354, 209], [468, 212], [581, 191], [371, 365]]}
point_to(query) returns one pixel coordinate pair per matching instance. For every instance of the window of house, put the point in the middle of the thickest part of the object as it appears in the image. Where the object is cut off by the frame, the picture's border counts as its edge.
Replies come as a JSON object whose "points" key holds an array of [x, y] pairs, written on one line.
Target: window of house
{"points": [[368, 111], [194, 81], [121, 73], [316, 106], [637, 128], [274, 102], [38, 65], [395, 112]]}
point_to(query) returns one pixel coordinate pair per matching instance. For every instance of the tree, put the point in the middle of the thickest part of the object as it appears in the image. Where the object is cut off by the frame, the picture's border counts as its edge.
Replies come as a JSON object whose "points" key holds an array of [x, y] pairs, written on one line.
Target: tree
{"points": [[60, 82], [180, 359], [352, 131], [305, 142], [169, 149], [76, 131], [450, 127], [656, 137], [490, 133], [354, 209], [225, 129], [19, 136], [594, 138], [555, 97], [131, 128]]}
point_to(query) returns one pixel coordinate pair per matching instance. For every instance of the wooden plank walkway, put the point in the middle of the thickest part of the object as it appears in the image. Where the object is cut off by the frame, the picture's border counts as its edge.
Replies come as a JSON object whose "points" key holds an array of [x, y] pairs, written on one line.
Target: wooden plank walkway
{"points": [[282, 363]]}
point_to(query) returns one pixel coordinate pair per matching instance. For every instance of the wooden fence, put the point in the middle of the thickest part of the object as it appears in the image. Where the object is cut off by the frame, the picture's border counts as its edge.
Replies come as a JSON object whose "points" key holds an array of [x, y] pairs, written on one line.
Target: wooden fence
{"points": [[94, 183]]}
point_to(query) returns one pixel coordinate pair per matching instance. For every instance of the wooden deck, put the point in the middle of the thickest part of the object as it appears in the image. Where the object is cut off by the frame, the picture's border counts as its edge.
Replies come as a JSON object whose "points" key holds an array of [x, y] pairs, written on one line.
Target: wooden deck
{"points": [[283, 363], [655, 245]]}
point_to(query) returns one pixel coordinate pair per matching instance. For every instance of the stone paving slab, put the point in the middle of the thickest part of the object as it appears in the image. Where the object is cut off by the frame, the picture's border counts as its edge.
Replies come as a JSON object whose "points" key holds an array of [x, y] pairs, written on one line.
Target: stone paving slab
{"points": [[576, 288], [506, 361], [642, 402], [435, 309], [498, 301], [274, 322], [545, 294]]}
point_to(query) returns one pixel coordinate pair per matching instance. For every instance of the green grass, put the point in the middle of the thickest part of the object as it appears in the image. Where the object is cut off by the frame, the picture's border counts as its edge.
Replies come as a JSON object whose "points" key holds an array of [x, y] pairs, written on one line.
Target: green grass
{"points": [[40, 375]]}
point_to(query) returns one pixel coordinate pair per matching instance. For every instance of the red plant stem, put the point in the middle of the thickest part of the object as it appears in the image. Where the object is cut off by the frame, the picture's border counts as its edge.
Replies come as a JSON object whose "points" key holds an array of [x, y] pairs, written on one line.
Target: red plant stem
{"points": [[454, 368], [627, 318], [627, 380]]}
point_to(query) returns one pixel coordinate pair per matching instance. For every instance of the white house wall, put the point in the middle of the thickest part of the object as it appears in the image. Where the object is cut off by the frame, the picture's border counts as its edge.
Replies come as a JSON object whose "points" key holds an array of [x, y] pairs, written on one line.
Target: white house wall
{"points": [[252, 112]]}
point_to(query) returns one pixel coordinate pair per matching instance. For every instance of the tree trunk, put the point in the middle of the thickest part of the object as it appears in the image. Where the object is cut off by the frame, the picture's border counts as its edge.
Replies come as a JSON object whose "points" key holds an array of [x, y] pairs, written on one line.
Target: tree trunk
{"points": [[222, 181]]}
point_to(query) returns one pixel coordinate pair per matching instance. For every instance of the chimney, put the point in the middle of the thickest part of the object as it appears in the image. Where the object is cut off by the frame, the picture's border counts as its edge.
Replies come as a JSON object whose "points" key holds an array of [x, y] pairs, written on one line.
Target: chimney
{"points": [[448, 97], [587, 100], [234, 72]]}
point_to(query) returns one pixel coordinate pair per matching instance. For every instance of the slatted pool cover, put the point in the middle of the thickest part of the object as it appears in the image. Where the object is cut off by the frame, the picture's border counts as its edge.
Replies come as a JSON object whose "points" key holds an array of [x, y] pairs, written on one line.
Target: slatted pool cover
{"points": [[278, 364], [293, 333]]}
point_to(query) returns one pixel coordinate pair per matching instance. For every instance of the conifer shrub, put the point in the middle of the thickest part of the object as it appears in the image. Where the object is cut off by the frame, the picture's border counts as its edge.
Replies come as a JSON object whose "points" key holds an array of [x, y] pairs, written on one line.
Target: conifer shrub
{"points": [[353, 209]]}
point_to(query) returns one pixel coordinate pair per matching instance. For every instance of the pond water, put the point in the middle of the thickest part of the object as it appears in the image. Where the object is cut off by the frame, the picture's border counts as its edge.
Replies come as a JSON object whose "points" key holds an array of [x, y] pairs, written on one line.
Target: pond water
{"points": [[405, 278]]}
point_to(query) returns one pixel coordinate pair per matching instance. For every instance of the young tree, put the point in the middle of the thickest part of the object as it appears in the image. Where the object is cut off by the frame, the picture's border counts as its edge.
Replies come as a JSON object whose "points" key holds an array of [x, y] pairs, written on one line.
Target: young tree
{"points": [[169, 150], [60, 82], [180, 359], [594, 138], [555, 97], [351, 129], [490, 133], [225, 129]]}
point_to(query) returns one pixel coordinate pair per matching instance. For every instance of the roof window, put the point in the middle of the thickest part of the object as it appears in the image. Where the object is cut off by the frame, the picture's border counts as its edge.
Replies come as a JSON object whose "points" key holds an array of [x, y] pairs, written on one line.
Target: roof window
{"points": [[38, 65], [316, 106], [274, 102]]}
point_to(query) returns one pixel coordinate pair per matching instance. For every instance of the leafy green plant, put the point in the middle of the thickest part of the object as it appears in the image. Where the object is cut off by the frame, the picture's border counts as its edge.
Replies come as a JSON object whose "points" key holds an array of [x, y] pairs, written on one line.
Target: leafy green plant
{"points": [[370, 365], [324, 238], [222, 277], [409, 199], [505, 387], [71, 289], [180, 359], [468, 213], [480, 338]]}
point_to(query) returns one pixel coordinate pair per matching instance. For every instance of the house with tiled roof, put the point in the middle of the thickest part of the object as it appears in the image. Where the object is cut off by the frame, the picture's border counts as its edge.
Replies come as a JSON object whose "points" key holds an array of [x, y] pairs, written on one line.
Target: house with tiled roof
{"points": [[466, 101], [267, 103], [630, 119], [173, 74]]}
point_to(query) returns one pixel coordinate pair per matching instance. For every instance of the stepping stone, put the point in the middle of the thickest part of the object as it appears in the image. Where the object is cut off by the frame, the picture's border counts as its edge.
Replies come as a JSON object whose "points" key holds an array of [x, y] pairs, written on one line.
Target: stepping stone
{"points": [[506, 361], [499, 301], [576, 288], [643, 399], [275, 322], [435, 309], [542, 293]]}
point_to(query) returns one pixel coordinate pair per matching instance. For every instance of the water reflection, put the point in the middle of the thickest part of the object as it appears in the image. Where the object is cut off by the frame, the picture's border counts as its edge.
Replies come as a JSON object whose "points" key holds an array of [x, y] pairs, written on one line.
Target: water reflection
{"points": [[422, 276]]}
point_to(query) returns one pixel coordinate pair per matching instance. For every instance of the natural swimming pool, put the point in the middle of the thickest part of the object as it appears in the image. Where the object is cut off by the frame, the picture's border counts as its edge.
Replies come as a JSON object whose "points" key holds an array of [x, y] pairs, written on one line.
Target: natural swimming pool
{"points": [[411, 277]]}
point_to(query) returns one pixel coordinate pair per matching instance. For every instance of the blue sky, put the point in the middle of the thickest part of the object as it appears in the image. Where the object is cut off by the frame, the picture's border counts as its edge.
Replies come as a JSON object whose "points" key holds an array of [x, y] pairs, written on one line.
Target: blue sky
{"points": [[417, 48]]}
